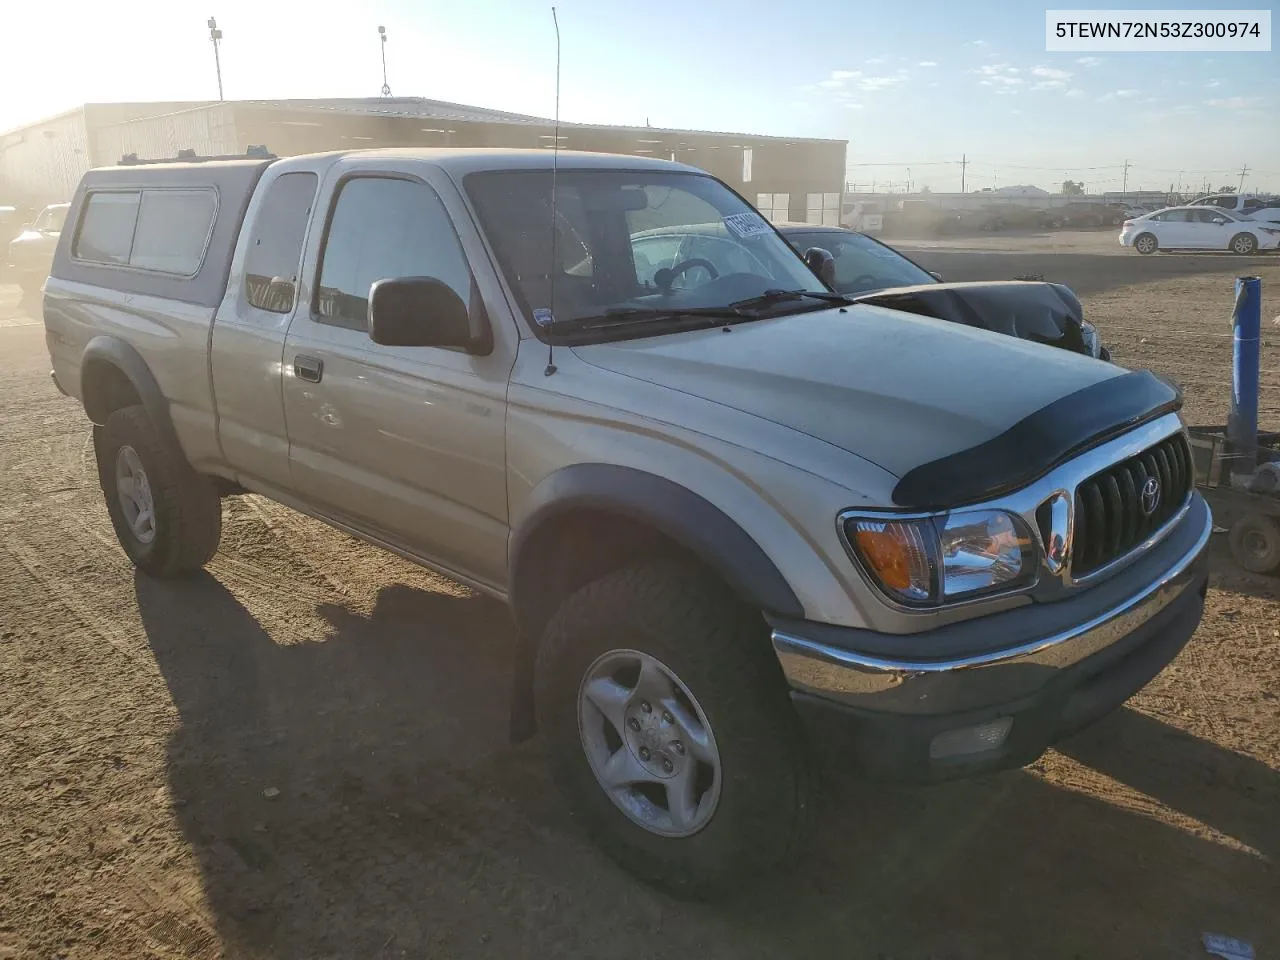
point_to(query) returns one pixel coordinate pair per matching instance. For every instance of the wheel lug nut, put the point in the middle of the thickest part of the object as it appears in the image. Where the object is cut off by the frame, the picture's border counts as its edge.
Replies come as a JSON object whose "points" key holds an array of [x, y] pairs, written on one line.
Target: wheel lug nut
{"points": [[644, 705], [667, 765], [678, 747], [633, 723], [644, 753], [667, 717]]}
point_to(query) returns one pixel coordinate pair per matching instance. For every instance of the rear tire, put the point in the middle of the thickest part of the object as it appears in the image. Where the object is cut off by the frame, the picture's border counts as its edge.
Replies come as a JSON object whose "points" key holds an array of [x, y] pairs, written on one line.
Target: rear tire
{"points": [[1146, 243], [1244, 244], [1255, 543], [167, 517], [752, 779]]}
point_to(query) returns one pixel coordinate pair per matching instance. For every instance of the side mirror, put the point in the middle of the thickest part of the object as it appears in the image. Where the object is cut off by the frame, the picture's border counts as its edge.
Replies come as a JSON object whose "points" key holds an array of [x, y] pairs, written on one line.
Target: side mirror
{"points": [[936, 275], [418, 312], [822, 263]]}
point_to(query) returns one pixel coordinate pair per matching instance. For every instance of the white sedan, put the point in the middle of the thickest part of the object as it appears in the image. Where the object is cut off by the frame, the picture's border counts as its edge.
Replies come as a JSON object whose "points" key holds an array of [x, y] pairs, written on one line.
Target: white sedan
{"points": [[1199, 228]]}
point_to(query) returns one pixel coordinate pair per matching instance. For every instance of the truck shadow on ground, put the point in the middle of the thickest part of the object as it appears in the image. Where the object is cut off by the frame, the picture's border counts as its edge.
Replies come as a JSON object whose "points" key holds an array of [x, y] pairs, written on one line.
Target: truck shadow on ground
{"points": [[404, 825]]}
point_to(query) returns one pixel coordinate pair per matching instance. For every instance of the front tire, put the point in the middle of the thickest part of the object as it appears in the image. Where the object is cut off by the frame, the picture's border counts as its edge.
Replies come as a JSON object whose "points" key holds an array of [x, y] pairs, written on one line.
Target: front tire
{"points": [[1244, 244], [670, 731], [1146, 243], [167, 517]]}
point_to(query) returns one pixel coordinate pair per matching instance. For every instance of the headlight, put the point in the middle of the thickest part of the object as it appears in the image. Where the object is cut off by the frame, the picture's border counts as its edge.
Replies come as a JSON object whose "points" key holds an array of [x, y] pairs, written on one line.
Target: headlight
{"points": [[1089, 333], [938, 560]]}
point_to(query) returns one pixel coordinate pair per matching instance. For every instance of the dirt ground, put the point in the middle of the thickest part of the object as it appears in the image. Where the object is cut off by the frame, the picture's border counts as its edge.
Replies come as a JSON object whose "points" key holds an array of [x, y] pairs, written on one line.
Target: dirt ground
{"points": [[301, 753]]}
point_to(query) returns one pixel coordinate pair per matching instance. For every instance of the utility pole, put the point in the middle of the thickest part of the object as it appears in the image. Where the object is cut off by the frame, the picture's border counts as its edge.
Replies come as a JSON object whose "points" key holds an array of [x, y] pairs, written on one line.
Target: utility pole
{"points": [[386, 88], [215, 37], [964, 162], [1243, 171], [1124, 189]]}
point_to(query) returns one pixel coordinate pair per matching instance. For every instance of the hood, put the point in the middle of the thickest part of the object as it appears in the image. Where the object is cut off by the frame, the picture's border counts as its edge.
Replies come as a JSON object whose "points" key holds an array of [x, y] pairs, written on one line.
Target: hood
{"points": [[1048, 313], [893, 388]]}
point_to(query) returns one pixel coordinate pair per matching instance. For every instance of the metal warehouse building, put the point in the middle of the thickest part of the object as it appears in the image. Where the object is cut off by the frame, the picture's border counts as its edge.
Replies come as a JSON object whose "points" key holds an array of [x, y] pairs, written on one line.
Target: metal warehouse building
{"points": [[787, 178]]}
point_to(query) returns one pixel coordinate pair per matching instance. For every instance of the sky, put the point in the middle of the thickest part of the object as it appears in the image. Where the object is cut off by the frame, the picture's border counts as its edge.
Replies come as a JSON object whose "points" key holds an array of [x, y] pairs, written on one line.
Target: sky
{"points": [[913, 87]]}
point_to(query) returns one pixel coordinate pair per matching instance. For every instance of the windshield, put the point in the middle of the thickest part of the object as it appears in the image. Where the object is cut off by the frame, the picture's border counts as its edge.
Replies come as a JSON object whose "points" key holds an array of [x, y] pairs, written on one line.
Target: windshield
{"points": [[863, 264], [51, 220], [632, 241]]}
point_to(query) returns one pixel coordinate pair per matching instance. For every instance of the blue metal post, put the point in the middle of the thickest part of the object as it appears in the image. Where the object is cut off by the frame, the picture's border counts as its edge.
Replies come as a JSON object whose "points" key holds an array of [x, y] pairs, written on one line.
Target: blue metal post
{"points": [[1246, 332]]}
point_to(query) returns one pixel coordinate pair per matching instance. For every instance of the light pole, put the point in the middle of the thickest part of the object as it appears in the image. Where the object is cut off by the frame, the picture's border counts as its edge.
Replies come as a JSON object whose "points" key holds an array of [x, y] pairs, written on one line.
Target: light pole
{"points": [[386, 88], [215, 37]]}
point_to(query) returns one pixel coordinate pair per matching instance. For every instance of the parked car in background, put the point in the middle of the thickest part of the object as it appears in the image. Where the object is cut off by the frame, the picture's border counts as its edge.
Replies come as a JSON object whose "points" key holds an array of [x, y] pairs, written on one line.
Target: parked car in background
{"points": [[10, 224], [1199, 228], [31, 251], [1255, 208], [873, 272], [1085, 214]]}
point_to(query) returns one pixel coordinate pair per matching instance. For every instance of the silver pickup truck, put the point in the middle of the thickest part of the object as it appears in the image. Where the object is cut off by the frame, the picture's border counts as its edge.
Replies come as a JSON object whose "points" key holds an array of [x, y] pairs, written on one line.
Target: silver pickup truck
{"points": [[740, 521]]}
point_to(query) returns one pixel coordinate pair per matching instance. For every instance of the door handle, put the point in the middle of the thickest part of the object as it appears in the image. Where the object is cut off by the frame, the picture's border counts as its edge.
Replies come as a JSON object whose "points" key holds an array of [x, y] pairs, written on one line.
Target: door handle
{"points": [[308, 368]]}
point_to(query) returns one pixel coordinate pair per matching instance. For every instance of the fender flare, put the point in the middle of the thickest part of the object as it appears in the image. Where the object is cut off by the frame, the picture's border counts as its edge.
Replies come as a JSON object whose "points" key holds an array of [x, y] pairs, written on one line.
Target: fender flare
{"points": [[680, 514], [113, 351]]}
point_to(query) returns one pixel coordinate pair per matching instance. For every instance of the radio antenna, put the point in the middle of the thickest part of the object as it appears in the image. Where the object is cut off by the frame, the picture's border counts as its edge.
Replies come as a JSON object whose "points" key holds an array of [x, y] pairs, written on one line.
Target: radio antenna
{"points": [[555, 163]]}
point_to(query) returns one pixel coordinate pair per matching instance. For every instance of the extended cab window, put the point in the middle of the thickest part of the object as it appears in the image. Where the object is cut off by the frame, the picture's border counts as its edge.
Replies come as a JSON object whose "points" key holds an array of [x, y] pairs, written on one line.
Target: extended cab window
{"points": [[166, 231], [382, 229], [275, 248]]}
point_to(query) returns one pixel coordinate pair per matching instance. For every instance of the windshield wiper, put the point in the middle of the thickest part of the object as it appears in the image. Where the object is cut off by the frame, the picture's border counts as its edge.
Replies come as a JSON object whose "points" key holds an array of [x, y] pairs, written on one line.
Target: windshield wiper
{"points": [[616, 315], [770, 297]]}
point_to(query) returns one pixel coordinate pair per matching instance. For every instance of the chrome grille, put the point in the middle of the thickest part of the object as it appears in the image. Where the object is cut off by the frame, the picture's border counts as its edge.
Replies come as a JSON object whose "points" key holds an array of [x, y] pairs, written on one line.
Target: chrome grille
{"points": [[1110, 516]]}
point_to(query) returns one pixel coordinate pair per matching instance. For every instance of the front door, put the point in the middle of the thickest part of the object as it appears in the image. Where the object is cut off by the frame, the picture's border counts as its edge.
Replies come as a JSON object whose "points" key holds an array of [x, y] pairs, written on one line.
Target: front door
{"points": [[408, 443]]}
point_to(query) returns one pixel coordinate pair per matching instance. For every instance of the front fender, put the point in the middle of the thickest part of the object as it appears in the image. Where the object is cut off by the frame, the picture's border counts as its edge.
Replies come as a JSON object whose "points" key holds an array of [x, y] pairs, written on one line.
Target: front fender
{"points": [[680, 514]]}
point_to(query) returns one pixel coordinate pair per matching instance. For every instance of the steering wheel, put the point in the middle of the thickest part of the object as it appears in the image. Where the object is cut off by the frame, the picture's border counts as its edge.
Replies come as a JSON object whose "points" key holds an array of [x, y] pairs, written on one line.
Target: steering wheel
{"points": [[665, 277]]}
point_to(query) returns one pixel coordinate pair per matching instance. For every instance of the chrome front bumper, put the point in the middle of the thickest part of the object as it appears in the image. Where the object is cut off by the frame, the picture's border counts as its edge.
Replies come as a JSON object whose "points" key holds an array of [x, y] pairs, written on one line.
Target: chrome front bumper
{"points": [[986, 679]]}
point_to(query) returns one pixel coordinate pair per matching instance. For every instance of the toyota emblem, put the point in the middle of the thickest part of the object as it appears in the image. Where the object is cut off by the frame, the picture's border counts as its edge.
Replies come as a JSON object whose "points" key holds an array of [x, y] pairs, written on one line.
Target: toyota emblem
{"points": [[1150, 496]]}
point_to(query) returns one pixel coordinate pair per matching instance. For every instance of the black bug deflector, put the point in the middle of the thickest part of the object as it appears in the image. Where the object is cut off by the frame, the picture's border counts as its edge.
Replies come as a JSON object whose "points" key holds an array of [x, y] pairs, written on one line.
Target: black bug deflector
{"points": [[1038, 442]]}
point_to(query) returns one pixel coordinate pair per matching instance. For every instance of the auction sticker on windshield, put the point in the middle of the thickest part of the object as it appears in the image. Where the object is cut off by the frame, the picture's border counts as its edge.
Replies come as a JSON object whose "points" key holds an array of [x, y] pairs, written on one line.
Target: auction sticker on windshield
{"points": [[745, 225]]}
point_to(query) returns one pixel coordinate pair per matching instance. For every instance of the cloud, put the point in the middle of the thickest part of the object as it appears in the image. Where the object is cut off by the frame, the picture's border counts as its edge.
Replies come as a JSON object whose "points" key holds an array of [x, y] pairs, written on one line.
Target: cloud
{"points": [[1051, 73], [977, 43], [1089, 61], [1213, 83], [926, 63], [872, 84], [853, 105], [845, 74], [1235, 103], [876, 60], [1118, 95], [999, 74], [831, 84], [1075, 92], [1049, 85]]}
